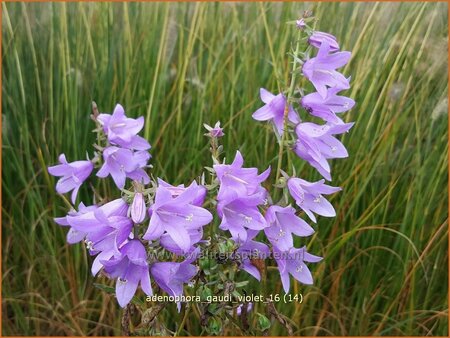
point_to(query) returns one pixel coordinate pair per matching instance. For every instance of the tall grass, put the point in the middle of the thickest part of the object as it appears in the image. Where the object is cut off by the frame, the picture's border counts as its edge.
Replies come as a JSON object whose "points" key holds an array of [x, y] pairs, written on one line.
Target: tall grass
{"points": [[182, 64]]}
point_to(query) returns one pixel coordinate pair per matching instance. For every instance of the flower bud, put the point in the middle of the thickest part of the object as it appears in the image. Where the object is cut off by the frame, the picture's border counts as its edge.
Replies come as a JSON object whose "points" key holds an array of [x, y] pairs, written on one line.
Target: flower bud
{"points": [[138, 209]]}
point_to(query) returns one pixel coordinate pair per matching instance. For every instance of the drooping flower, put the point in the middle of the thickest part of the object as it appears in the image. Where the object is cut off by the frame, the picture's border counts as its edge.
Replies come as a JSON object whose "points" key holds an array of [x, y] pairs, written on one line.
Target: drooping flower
{"points": [[122, 131], [327, 107], [106, 227], [74, 236], [292, 262], [308, 196], [274, 110], [321, 70], [317, 38], [73, 175], [176, 216], [250, 251], [121, 163], [171, 276], [215, 131], [282, 224], [236, 181], [316, 144], [138, 210], [131, 269]]}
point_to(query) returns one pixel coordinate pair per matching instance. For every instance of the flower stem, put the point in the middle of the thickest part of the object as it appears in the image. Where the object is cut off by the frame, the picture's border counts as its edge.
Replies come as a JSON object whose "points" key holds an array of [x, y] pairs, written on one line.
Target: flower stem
{"points": [[286, 108]]}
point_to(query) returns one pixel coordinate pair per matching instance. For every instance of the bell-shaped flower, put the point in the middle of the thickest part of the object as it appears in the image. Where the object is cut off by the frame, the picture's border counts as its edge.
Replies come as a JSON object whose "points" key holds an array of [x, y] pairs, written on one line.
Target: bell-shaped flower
{"points": [[74, 236], [240, 215], [176, 216], [327, 107], [282, 224], [316, 144], [179, 189], [121, 163], [122, 131], [169, 244], [73, 175], [321, 70], [236, 181], [309, 197], [251, 251], [273, 110], [317, 38], [131, 269], [106, 227], [137, 209], [171, 276], [292, 262]]}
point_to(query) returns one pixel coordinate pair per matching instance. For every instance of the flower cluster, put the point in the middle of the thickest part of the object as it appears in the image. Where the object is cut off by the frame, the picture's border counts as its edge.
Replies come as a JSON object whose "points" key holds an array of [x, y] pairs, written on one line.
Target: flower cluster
{"points": [[312, 142], [239, 197], [112, 231], [127, 233]]}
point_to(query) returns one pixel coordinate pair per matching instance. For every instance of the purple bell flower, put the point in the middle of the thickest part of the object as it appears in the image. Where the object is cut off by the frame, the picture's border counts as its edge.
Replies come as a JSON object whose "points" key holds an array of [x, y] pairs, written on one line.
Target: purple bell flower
{"points": [[122, 131], [317, 38], [321, 70], [249, 250], [176, 216], [274, 110], [169, 244], [171, 276], [130, 269], [316, 144], [282, 224], [327, 107], [236, 182], [308, 196], [74, 236], [106, 227], [179, 189], [240, 215], [73, 175], [121, 163], [292, 262]]}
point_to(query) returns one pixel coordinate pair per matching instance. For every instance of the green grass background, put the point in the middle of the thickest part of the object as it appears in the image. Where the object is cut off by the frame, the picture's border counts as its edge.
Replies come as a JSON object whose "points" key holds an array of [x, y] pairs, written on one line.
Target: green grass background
{"points": [[181, 64]]}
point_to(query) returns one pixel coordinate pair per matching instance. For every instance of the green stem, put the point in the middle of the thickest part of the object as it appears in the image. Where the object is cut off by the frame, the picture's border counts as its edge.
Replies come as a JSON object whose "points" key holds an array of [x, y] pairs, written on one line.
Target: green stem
{"points": [[183, 321], [286, 108]]}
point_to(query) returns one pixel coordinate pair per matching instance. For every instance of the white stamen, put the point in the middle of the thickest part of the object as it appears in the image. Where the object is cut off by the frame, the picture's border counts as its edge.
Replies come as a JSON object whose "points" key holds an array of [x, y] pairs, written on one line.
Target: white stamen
{"points": [[299, 268], [317, 199], [189, 217], [89, 244]]}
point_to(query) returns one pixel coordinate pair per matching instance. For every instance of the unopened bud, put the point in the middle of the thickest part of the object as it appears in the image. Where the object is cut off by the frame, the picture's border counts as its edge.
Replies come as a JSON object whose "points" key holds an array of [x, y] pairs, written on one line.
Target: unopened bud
{"points": [[138, 209]]}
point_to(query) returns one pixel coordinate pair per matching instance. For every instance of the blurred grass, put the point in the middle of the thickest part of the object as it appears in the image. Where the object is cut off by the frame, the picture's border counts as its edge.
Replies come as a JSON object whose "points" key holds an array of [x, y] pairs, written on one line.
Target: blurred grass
{"points": [[182, 64]]}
